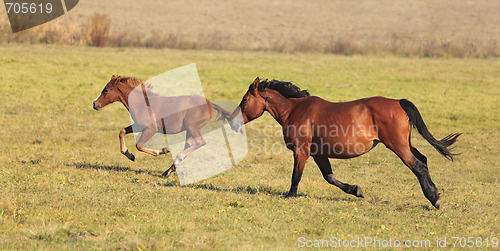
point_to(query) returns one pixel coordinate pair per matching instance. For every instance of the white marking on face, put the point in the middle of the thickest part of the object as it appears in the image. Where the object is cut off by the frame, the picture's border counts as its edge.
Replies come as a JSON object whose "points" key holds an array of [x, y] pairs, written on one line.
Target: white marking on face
{"points": [[99, 94], [97, 97]]}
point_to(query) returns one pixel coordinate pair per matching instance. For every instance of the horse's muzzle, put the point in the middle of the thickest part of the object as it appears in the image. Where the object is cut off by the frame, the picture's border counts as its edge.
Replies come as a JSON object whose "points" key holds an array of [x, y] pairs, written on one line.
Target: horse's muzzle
{"points": [[235, 125], [96, 106]]}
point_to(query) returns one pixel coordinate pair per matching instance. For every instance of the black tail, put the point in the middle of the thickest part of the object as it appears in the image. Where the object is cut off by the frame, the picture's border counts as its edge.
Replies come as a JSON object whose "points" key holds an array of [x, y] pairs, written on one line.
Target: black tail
{"points": [[417, 122], [221, 112]]}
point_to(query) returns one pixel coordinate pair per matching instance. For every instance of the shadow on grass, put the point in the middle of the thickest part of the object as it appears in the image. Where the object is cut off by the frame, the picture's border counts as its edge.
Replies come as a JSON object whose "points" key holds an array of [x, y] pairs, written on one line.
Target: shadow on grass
{"points": [[116, 168], [264, 190], [398, 206], [170, 182], [338, 199], [239, 189]]}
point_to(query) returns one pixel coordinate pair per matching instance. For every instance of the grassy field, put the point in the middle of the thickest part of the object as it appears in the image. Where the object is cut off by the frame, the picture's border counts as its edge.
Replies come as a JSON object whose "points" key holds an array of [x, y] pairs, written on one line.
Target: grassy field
{"points": [[65, 185]]}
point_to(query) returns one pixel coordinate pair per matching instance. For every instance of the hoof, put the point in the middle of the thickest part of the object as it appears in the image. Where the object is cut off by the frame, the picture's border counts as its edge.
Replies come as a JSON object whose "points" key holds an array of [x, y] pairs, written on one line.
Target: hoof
{"points": [[168, 172], [164, 150], [130, 156], [359, 193], [289, 196]]}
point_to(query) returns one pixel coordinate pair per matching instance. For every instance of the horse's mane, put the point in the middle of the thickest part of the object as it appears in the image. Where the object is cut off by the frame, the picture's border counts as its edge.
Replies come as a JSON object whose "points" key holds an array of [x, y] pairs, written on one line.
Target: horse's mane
{"points": [[287, 89], [136, 82]]}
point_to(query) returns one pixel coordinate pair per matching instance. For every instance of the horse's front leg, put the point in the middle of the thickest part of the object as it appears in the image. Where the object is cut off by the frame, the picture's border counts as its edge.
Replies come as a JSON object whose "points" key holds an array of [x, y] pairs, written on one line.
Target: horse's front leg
{"points": [[123, 147], [300, 156]]}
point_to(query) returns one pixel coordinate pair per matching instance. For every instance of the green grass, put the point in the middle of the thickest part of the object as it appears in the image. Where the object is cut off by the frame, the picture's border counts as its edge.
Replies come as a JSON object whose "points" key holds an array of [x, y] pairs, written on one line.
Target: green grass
{"points": [[64, 184]]}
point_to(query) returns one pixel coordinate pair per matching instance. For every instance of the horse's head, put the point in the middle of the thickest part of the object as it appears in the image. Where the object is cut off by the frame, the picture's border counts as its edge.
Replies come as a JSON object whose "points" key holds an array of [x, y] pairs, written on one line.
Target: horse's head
{"points": [[252, 106], [110, 93]]}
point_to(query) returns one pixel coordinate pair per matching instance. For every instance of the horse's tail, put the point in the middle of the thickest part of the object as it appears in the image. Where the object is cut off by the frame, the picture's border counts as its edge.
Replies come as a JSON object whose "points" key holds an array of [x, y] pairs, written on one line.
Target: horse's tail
{"points": [[417, 122], [222, 114]]}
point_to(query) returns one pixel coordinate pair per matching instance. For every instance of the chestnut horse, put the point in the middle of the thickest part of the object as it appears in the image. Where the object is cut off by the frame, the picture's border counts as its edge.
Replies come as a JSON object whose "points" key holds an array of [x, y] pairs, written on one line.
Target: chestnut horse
{"points": [[153, 113], [315, 127]]}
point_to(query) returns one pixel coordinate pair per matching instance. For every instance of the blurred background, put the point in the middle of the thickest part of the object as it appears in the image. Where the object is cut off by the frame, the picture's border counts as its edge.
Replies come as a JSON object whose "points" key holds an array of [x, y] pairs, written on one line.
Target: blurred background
{"points": [[458, 28]]}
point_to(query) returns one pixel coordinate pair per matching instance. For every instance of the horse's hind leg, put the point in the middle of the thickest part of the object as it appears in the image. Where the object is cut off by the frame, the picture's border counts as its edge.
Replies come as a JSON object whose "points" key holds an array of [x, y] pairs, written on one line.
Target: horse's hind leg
{"points": [[192, 143], [147, 134], [417, 163], [326, 169], [189, 142]]}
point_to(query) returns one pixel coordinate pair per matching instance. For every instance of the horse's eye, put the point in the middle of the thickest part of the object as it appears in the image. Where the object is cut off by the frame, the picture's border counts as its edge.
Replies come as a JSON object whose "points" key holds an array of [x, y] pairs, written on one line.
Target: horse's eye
{"points": [[245, 100], [105, 91]]}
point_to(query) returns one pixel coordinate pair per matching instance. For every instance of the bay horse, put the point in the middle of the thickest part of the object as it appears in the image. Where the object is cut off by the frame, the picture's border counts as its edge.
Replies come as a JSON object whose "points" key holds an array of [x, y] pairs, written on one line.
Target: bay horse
{"points": [[153, 113], [315, 127]]}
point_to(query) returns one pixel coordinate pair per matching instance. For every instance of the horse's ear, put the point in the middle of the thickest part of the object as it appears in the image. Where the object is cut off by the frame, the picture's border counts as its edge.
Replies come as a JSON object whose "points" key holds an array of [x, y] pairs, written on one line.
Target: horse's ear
{"points": [[255, 84], [114, 76], [256, 81]]}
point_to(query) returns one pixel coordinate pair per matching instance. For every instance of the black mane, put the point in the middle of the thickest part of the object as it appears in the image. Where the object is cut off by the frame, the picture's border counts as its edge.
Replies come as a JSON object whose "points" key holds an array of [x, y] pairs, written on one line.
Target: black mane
{"points": [[287, 89]]}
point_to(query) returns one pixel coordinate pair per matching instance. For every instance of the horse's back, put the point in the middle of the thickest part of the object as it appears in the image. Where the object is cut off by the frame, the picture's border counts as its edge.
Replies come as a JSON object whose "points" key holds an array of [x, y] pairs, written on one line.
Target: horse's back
{"points": [[172, 112], [378, 111], [358, 122], [355, 108]]}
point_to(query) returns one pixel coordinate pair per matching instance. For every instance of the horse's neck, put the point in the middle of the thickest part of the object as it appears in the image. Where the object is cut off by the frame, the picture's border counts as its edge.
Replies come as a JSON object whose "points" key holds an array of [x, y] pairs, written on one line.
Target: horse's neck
{"points": [[279, 107], [125, 90]]}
